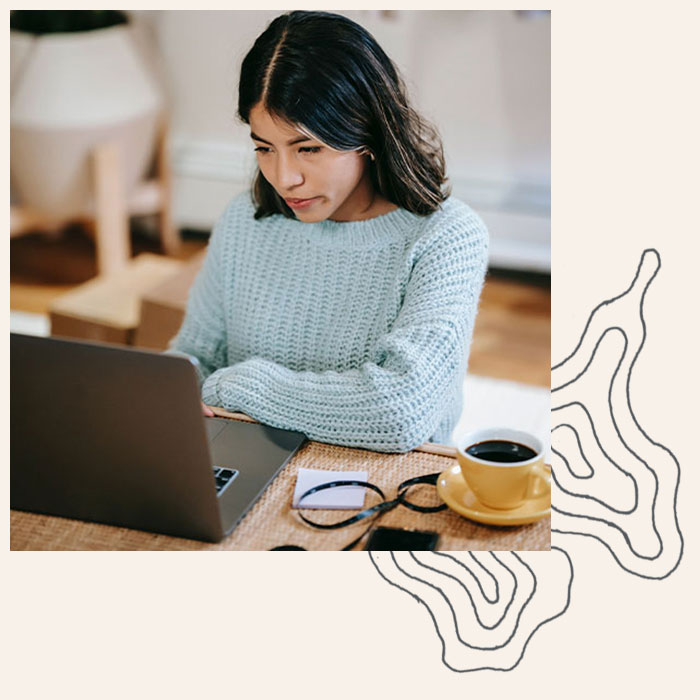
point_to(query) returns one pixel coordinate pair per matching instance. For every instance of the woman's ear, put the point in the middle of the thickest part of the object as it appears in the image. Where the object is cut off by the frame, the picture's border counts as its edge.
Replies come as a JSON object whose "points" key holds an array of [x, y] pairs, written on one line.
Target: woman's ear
{"points": [[367, 152]]}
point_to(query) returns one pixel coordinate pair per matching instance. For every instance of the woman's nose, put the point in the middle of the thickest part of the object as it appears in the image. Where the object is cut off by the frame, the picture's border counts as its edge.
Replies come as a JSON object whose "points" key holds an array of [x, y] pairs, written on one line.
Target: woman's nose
{"points": [[289, 173]]}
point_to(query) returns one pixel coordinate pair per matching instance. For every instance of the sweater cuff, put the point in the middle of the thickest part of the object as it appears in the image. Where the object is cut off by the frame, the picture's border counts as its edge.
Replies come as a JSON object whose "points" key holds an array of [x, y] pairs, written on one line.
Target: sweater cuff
{"points": [[210, 388]]}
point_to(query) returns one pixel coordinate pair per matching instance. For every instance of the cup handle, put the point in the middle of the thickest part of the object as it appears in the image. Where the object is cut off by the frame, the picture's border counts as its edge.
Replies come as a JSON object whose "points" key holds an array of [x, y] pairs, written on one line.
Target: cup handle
{"points": [[544, 472]]}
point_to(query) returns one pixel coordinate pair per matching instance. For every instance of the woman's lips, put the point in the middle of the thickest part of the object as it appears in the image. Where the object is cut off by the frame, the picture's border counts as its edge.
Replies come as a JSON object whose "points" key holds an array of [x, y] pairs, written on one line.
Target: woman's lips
{"points": [[300, 203]]}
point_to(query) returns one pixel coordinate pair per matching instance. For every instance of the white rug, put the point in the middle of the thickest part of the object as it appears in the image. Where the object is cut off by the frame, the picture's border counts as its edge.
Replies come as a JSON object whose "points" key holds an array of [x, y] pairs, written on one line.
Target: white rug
{"points": [[491, 403], [488, 402]]}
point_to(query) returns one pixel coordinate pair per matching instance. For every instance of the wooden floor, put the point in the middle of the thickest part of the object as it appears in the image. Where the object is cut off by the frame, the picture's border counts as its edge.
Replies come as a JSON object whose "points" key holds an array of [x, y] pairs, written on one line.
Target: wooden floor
{"points": [[511, 336]]}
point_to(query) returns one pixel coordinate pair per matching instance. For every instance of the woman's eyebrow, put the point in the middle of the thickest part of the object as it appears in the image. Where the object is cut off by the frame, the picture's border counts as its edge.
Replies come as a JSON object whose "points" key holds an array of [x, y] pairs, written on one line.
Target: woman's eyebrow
{"points": [[255, 137]]}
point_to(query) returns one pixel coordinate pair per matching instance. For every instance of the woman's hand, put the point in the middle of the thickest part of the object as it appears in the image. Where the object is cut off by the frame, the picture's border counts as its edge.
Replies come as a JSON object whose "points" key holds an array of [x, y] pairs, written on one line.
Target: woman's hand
{"points": [[207, 411]]}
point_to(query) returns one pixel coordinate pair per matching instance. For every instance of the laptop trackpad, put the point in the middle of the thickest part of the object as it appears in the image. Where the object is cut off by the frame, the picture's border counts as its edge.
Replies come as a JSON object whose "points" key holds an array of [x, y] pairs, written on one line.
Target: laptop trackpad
{"points": [[250, 446], [214, 426]]}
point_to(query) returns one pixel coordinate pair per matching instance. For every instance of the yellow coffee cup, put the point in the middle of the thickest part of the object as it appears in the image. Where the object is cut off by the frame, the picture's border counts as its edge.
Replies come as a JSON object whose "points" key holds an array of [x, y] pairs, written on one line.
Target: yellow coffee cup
{"points": [[503, 467]]}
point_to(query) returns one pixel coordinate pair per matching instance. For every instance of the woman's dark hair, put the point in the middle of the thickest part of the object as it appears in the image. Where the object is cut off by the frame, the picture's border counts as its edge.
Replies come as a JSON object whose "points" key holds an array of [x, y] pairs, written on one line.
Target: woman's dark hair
{"points": [[326, 75]]}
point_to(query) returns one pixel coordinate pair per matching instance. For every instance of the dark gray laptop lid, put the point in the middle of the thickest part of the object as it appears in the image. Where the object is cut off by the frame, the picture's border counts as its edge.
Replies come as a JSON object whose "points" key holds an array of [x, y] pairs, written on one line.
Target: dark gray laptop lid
{"points": [[116, 435]]}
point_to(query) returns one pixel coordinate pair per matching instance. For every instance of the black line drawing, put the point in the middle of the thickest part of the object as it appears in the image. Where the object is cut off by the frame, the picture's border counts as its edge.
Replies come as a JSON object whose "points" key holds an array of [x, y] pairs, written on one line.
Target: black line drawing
{"points": [[625, 496], [537, 590], [611, 482]]}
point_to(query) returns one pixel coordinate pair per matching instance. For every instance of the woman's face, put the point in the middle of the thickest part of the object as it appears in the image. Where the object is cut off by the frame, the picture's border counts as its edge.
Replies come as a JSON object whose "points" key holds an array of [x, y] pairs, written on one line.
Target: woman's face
{"points": [[317, 182]]}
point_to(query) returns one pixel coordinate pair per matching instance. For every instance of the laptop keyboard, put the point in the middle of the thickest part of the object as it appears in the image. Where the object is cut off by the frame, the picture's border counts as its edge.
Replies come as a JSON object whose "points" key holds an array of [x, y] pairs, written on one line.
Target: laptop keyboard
{"points": [[223, 478]]}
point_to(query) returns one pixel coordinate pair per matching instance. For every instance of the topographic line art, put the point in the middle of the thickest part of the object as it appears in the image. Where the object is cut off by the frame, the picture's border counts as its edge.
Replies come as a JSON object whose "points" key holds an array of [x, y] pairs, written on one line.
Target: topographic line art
{"points": [[610, 482], [448, 586]]}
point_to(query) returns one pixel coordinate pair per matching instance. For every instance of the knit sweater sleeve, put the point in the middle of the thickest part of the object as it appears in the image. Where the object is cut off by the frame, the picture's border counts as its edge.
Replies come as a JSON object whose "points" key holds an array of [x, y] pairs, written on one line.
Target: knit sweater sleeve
{"points": [[202, 336], [394, 402]]}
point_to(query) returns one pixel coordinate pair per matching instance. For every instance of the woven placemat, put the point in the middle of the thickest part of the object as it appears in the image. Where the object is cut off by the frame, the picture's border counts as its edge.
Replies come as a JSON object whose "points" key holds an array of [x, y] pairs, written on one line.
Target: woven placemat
{"points": [[272, 522]]}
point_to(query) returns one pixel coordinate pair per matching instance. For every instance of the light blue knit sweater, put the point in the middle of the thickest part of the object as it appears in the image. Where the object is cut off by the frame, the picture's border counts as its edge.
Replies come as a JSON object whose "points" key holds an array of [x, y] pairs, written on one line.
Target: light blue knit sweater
{"points": [[354, 333]]}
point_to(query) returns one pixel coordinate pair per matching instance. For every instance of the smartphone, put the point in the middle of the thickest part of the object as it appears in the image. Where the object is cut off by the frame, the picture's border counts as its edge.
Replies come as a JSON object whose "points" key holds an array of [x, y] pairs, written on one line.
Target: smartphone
{"points": [[386, 539]]}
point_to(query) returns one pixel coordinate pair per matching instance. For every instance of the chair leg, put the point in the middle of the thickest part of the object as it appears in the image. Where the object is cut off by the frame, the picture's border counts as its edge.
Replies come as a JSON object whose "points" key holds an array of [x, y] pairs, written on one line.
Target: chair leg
{"points": [[169, 235], [112, 218]]}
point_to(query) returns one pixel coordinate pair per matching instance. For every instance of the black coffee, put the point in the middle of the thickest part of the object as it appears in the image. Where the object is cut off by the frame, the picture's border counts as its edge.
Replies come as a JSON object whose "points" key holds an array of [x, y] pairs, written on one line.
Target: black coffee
{"points": [[501, 451]]}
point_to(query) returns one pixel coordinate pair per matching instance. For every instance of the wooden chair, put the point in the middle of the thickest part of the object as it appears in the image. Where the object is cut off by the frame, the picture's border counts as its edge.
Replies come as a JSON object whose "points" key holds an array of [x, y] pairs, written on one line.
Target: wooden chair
{"points": [[110, 221]]}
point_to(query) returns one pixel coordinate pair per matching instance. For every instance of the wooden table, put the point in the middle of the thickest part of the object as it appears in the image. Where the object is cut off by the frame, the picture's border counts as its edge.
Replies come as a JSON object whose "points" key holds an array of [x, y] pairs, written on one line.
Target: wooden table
{"points": [[272, 522]]}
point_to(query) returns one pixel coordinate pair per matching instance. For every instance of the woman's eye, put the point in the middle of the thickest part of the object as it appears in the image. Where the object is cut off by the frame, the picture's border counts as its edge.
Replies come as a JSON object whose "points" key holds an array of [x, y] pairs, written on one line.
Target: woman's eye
{"points": [[309, 149], [262, 149]]}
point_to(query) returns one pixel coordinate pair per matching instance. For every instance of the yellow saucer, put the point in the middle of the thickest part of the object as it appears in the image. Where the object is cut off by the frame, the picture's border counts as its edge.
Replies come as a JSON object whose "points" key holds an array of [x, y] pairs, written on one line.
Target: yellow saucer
{"points": [[453, 489]]}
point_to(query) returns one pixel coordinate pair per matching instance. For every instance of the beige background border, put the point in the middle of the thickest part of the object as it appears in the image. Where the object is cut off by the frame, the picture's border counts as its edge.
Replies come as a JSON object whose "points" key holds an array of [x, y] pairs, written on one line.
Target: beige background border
{"points": [[183, 625]]}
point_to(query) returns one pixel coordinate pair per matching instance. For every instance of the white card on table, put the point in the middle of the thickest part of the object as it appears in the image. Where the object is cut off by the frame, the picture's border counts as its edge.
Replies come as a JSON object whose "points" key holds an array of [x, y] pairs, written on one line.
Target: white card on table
{"points": [[340, 498]]}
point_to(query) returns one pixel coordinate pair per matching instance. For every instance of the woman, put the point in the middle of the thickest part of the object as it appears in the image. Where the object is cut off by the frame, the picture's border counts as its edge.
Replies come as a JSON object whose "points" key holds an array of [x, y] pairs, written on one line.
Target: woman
{"points": [[340, 301]]}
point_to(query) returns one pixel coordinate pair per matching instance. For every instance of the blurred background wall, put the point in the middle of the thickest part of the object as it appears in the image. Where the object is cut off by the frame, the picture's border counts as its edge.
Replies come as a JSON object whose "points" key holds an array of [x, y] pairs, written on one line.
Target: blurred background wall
{"points": [[483, 77]]}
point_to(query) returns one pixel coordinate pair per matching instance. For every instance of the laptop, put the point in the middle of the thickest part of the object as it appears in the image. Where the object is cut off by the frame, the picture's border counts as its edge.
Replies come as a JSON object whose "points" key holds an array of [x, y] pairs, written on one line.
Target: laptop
{"points": [[116, 435]]}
